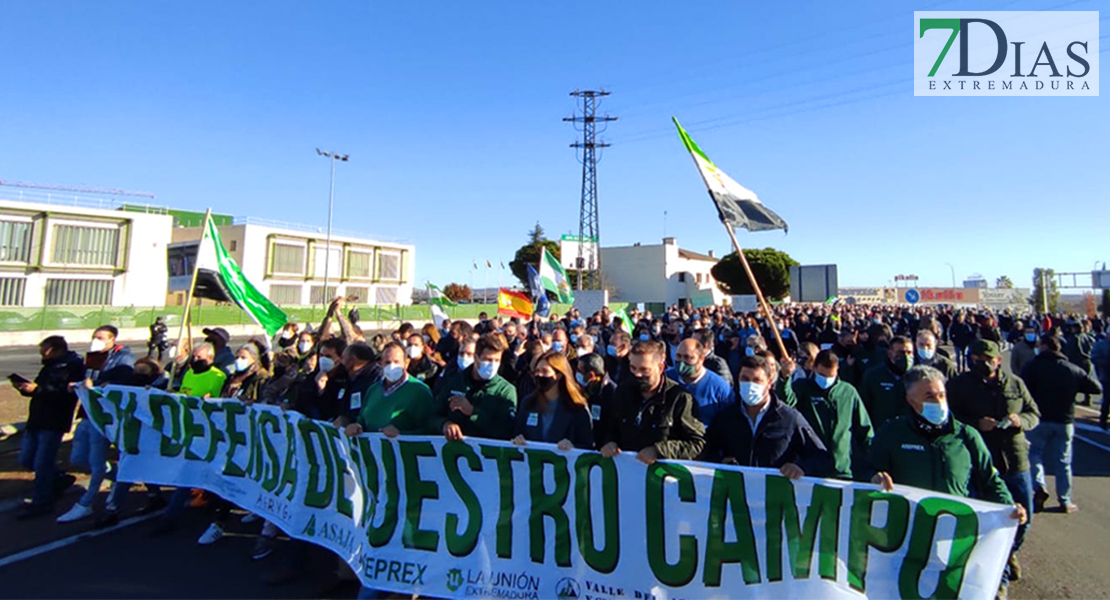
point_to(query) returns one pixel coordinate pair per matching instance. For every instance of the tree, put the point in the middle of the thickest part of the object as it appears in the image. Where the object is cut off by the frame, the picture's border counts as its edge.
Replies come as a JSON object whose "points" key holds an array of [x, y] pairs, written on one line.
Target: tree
{"points": [[771, 269], [1004, 283], [1043, 278], [457, 292], [529, 254]]}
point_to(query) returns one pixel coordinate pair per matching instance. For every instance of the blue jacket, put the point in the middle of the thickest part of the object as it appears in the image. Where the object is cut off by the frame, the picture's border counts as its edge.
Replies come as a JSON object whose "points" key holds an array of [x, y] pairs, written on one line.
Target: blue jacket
{"points": [[782, 436], [117, 369], [712, 393]]}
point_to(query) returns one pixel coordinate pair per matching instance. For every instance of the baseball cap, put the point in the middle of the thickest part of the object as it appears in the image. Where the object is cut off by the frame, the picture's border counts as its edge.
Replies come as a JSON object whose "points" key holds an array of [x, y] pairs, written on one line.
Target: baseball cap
{"points": [[218, 332], [985, 348]]}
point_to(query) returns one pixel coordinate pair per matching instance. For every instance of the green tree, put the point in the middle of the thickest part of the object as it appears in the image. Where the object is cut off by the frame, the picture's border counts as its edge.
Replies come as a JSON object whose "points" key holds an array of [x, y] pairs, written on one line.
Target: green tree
{"points": [[1044, 280], [771, 269], [529, 254], [456, 292], [1004, 283]]}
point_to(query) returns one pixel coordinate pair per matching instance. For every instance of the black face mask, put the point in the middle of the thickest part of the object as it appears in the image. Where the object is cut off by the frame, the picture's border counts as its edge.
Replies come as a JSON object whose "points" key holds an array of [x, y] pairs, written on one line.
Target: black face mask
{"points": [[983, 368], [643, 383], [144, 378], [901, 364], [544, 384], [200, 366]]}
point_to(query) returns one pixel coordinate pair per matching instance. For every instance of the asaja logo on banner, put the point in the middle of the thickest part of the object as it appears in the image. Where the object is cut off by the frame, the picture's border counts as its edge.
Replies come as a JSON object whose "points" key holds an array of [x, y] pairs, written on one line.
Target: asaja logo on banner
{"points": [[1025, 53]]}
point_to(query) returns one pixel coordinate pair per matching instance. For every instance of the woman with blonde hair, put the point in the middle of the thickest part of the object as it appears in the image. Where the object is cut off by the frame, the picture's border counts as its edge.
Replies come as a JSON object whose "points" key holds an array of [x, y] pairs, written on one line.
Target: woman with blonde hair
{"points": [[556, 412]]}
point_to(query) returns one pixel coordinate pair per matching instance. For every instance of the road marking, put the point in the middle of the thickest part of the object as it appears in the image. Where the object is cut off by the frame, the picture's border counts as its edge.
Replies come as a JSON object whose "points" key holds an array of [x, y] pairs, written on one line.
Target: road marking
{"points": [[62, 543], [1093, 443]]}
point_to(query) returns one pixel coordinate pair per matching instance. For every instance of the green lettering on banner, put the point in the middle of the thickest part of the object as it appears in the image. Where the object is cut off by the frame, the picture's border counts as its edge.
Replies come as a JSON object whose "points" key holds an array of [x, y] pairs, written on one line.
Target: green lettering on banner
{"points": [[269, 424], [728, 492], [128, 439], [235, 438], [682, 572], [314, 497], [548, 504], [782, 511], [290, 464], [190, 430], [96, 411], [215, 436], [380, 535], [462, 544], [863, 535], [504, 457], [606, 559], [169, 446], [416, 491], [921, 546], [367, 467], [254, 452], [343, 503]]}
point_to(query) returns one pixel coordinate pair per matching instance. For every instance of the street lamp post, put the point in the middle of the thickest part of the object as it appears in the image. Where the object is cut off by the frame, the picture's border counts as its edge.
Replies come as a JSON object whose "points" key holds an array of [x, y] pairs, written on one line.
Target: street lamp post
{"points": [[333, 157], [953, 269]]}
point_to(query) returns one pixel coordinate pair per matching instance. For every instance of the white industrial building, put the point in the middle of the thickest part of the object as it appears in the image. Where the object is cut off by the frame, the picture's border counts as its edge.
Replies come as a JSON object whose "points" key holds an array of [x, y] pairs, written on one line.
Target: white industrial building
{"points": [[287, 262], [662, 273], [64, 250]]}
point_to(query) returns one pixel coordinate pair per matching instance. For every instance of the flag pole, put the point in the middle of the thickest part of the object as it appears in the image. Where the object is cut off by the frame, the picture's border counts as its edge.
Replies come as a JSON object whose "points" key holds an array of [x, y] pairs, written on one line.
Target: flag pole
{"points": [[189, 297], [755, 286]]}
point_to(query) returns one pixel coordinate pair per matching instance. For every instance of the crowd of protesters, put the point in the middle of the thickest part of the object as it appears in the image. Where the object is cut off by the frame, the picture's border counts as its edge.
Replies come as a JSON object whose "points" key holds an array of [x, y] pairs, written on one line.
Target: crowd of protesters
{"points": [[857, 392]]}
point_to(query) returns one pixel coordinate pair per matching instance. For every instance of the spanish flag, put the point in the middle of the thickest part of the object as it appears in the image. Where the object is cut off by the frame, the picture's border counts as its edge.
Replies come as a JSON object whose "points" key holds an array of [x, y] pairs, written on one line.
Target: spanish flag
{"points": [[513, 304]]}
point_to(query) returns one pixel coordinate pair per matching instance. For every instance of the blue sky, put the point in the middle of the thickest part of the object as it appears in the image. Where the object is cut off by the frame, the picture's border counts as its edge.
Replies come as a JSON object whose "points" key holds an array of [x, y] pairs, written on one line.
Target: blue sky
{"points": [[451, 113]]}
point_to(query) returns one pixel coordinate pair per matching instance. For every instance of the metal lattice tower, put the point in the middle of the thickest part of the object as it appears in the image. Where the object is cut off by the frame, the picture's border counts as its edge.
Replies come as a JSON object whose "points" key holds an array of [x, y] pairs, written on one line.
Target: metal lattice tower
{"points": [[588, 230]]}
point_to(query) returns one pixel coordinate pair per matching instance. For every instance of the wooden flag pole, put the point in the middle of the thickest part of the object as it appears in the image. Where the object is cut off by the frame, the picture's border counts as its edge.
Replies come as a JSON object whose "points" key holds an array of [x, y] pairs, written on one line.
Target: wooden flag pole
{"points": [[758, 293], [189, 298]]}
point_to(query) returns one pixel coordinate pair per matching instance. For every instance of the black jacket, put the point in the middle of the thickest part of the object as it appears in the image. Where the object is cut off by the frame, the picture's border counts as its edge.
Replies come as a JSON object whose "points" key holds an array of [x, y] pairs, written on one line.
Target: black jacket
{"points": [[349, 393], [720, 366], [566, 424], [617, 368], [600, 399], [782, 436], [1053, 382], [53, 402], [666, 421]]}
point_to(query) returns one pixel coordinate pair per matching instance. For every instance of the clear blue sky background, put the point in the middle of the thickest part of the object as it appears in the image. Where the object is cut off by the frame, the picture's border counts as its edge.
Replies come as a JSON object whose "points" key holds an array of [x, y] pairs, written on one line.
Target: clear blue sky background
{"points": [[451, 113]]}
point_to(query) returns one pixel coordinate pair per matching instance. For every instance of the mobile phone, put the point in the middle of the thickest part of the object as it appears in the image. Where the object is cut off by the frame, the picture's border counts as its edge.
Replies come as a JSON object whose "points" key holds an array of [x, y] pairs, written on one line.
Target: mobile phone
{"points": [[18, 379]]}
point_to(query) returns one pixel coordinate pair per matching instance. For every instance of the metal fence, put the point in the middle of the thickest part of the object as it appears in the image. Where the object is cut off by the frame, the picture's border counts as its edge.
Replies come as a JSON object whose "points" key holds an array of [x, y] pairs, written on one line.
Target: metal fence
{"points": [[79, 317]]}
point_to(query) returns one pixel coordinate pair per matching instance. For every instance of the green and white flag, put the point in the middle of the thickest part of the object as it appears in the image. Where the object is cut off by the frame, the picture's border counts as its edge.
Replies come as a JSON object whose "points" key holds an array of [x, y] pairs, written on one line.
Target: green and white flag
{"points": [[626, 321], [736, 205], [554, 277], [219, 279], [436, 297]]}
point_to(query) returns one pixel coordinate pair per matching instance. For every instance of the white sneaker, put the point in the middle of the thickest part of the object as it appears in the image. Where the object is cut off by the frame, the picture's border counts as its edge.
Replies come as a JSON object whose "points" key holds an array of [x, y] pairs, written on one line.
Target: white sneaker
{"points": [[76, 513], [211, 535], [249, 518]]}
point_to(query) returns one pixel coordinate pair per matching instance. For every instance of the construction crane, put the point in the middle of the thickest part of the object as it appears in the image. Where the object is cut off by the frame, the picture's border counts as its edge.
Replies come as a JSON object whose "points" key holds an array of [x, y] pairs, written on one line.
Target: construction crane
{"points": [[74, 188]]}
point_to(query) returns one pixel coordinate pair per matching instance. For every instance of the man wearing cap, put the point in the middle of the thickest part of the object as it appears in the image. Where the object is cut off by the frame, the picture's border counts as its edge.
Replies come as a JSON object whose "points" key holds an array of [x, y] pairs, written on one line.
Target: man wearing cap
{"points": [[1002, 409], [219, 338]]}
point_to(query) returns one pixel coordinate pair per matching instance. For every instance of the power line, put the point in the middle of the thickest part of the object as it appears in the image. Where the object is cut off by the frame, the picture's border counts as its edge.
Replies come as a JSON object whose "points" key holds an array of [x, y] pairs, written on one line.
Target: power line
{"points": [[589, 268]]}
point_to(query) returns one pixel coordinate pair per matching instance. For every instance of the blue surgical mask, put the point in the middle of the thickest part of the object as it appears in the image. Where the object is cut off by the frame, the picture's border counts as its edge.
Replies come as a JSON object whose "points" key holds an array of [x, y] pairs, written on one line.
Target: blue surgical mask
{"points": [[574, 338], [1030, 337], [823, 382], [611, 349], [580, 379], [487, 369], [557, 346], [644, 337], [751, 393], [464, 362], [926, 353], [749, 351], [934, 413]]}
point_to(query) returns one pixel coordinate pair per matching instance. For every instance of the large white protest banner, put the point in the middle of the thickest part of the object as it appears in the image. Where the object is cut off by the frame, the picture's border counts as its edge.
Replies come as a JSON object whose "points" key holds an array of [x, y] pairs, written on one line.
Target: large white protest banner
{"points": [[482, 518]]}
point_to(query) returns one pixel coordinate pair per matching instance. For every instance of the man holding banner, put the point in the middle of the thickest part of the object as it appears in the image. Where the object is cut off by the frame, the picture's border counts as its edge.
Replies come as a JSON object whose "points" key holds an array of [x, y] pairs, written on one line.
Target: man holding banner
{"points": [[476, 401]]}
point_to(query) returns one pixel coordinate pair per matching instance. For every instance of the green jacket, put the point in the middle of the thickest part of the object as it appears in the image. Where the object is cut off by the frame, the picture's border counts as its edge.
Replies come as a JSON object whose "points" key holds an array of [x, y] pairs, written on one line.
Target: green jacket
{"points": [[883, 394], [956, 462], [971, 398], [941, 363], [494, 403], [784, 392], [840, 420], [407, 408]]}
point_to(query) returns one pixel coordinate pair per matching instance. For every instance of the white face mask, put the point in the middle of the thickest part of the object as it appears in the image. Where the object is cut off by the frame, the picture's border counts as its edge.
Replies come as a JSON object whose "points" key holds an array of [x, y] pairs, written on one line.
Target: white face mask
{"points": [[97, 345], [287, 335], [464, 362], [393, 372], [304, 347], [751, 393], [242, 364], [326, 364], [413, 352]]}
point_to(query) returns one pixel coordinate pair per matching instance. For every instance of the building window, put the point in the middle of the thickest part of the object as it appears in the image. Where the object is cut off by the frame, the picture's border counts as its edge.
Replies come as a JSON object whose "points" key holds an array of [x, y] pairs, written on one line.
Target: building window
{"points": [[357, 293], [389, 266], [78, 292], [234, 245], [319, 297], [286, 259], [358, 264], [682, 277], [15, 241], [182, 260], [287, 295], [11, 291], [385, 295], [697, 277], [327, 263], [91, 246]]}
